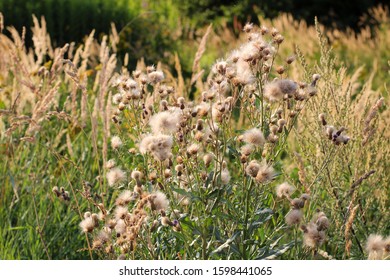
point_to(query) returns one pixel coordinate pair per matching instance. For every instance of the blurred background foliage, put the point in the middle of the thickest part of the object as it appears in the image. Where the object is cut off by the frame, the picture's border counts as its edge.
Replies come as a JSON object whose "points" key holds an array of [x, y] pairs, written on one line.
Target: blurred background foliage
{"points": [[156, 30]]}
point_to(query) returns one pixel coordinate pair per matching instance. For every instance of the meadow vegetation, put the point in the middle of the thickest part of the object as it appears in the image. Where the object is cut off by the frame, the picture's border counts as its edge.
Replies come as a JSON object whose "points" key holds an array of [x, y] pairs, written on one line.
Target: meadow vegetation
{"points": [[272, 145]]}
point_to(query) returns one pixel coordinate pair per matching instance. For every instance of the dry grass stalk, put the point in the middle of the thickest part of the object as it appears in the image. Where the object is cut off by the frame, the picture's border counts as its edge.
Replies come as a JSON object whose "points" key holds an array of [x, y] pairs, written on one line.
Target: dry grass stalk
{"points": [[200, 51], [348, 228], [301, 172], [181, 90]]}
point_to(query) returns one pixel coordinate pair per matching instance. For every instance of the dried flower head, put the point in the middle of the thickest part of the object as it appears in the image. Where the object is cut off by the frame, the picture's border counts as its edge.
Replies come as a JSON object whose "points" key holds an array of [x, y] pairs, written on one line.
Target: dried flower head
{"points": [[266, 173], [207, 159], [125, 198], [158, 201], [284, 190], [254, 136], [159, 146], [294, 217], [110, 164], [116, 142], [88, 224], [115, 176], [276, 90], [165, 122], [247, 149], [155, 77], [375, 246], [225, 176], [193, 149], [252, 168], [121, 212], [248, 27], [312, 237]]}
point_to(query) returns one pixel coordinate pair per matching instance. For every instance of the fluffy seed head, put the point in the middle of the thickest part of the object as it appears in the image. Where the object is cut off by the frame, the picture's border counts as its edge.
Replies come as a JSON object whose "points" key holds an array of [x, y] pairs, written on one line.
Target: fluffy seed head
{"points": [[266, 173], [193, 149], [207, 159], [124, 198], [155, 77], [247, 149], [254, 136], [136, 175], [120, 212], [158, 201], [284, 190], [87, 225], [252, 168], [165, 122], [225, 176], [294, 217], [276, 90], [375, 243], [312, 237], [115, 176], [116, 142], [110, 164], [297, 203]]}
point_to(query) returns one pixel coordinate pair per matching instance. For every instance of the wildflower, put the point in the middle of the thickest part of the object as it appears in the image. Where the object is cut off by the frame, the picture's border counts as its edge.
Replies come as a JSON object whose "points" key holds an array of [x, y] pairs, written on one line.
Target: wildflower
{"points": [[225, 176], [312, 237], [165, 122], [220, 67], [193, 149], [136, 175], [266, 173], [281, 124], [322, 221], [305, 196], [290, 59], [294, 217], [159, 146], [110, 164], [87, 225], [244, 75], [375, 246], [252, 168], [254, 136], [165, 221], [202, 109], [207, 159], [247, 149], [248, 27], [124, 198], [121, 212], [117, 98], [120, 226], [322, 119], [284, 190], [158, 201], [297, 203], [115, 176], [276, 90], [155, 77], [315, 79], [116, 142]]}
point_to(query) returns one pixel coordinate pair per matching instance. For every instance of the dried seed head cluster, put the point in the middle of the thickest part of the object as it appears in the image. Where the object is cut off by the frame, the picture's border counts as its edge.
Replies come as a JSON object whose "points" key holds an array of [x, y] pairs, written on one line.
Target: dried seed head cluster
{"points": [[61, 193], [314, 232], [294, 217], [333, 133], [131, 216]]}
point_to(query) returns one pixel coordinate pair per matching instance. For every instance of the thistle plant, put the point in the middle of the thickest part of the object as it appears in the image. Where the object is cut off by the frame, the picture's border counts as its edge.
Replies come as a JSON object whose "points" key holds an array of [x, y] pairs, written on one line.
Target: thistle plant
{"points": [[266, 156]]}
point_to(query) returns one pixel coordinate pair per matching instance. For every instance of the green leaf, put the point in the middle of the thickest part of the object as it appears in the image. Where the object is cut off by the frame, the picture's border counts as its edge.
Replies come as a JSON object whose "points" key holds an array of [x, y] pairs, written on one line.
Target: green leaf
{"points": [[226, 244]]}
